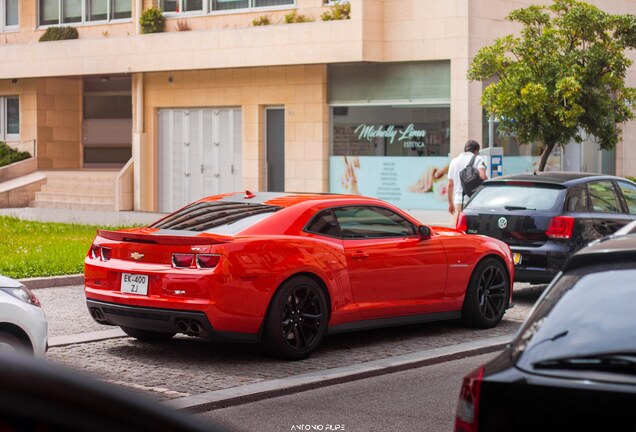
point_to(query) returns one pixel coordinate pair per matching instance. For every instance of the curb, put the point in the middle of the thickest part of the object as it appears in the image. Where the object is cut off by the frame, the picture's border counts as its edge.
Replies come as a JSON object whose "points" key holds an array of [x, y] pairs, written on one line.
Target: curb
{"points": [[52, 281], [94, 336], [273, 388]]}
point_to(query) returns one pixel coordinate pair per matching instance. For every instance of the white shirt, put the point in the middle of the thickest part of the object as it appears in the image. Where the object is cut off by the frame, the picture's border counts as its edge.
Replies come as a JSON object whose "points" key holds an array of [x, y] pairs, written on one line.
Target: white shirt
{"points": [[458, 164]]}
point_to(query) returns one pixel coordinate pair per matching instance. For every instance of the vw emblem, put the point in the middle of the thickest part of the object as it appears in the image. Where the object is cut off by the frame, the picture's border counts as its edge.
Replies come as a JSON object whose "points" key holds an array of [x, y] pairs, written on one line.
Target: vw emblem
{"points": [[502, 223], [136, 255]]}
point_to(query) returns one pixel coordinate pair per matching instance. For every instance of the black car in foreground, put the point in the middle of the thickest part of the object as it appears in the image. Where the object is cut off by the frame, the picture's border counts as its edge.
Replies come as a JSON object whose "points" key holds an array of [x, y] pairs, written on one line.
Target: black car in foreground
{"points": [[546, 217], [572, 366]]}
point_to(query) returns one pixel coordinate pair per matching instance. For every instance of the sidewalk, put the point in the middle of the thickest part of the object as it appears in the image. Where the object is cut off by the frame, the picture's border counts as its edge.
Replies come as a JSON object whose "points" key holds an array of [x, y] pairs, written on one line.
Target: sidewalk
{"points": [[113, 218]]}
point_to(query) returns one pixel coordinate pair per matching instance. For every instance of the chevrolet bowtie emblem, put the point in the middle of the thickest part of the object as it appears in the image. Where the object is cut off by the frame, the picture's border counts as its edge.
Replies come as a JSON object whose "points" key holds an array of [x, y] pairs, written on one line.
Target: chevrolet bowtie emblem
{"points": [[136, 255]]}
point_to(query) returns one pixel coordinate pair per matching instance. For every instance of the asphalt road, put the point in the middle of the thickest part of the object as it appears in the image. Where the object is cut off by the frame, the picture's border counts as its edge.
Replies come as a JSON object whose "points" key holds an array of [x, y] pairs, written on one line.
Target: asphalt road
{"points": [[422, 400], [185, 366]]}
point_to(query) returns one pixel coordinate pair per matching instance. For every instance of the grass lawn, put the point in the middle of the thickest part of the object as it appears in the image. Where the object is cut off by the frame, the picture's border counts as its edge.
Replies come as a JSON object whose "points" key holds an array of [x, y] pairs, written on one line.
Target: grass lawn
{"points": [[30, 249]]}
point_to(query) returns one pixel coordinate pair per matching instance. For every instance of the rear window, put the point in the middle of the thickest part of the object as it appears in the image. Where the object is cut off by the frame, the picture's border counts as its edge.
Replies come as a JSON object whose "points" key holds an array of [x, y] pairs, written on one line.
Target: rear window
{"points": [[516, 197], [587, 312], [218, 217]]}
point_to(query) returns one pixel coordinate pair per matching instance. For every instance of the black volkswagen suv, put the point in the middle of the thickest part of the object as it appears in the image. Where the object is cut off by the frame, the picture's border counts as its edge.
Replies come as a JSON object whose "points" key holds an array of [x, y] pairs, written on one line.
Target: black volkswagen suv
{"points": [[546, 217]]}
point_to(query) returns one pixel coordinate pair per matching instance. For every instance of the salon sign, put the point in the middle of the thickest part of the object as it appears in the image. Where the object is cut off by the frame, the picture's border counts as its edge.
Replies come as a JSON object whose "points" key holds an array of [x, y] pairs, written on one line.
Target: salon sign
{"points": [[391, 132]]}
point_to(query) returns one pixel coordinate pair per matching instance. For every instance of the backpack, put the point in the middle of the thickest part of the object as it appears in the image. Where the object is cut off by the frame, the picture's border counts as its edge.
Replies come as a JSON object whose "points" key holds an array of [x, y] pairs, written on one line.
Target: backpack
{"points": [[469, 178]]}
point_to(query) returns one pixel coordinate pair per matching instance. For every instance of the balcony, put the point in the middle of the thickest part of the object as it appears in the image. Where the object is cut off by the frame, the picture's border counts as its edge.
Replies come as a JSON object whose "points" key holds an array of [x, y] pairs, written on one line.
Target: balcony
{"points": [[316, 42]]}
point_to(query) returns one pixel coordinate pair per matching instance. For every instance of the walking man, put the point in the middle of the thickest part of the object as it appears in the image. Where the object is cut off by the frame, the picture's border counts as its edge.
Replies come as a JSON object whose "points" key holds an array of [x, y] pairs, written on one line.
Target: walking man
{"points": [[455, 191]]}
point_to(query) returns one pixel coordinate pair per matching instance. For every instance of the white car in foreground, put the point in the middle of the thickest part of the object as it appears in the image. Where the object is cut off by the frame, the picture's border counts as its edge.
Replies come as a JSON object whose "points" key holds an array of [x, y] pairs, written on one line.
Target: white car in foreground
{"points": [[23, 326]]}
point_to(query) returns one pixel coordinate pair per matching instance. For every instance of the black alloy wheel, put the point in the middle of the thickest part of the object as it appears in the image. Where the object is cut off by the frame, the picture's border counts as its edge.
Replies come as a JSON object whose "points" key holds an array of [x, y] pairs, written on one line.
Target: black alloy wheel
{"points": [[487, 294], [297, 319]]}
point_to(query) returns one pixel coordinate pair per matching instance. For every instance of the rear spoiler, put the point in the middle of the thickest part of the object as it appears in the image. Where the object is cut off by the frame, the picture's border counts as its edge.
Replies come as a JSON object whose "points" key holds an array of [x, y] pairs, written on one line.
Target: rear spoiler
{"points": [[151, 238]]}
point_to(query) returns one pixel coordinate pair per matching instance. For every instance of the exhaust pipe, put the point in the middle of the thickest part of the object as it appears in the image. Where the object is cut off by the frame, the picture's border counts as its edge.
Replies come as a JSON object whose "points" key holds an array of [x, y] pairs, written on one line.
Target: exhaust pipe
{"points": [[97, 314], [182, 326], [194, 327], [190, 327]]}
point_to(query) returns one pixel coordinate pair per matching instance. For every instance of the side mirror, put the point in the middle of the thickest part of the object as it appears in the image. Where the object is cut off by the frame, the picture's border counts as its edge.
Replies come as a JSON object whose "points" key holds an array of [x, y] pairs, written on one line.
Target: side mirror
{"points": [[424, 232]]}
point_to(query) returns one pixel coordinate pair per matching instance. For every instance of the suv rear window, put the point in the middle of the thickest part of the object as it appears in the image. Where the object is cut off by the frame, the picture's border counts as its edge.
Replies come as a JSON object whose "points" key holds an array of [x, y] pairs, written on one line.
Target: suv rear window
{"points": [[502, 196]]}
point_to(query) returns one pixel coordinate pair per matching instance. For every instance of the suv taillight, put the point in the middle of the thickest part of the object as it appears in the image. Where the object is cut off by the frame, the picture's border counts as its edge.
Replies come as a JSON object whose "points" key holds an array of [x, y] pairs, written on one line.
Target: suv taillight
{"points": [[467, 416], [560, 227], [461, 222]]}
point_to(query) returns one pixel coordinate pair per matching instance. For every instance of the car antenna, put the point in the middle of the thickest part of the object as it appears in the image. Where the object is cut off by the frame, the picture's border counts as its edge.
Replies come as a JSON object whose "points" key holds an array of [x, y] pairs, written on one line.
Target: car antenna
{"points": [[248, 194]]}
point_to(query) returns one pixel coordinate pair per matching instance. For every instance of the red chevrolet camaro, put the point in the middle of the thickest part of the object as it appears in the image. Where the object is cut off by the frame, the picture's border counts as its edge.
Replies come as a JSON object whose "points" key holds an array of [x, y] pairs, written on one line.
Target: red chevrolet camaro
{"points": [[286, 269]]}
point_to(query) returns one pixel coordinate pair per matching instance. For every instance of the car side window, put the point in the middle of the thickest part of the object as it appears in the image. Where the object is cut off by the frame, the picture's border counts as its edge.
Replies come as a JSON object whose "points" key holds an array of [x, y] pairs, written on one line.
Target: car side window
{"points": [[577, 200], [603, 197], [372, 222], [324, 223], [629, 193]]}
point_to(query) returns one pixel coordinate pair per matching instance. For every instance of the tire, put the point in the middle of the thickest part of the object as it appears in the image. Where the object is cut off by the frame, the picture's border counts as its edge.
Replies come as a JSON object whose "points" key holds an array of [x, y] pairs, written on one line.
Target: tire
{"points": [[10, 343], [285, 334], [147, 335], [487, 294]]}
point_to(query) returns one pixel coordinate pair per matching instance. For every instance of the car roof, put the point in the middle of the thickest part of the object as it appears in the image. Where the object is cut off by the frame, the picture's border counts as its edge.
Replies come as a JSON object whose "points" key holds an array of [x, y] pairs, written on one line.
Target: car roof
{"points": [[284, 199], [555, 177], [612, 249]]}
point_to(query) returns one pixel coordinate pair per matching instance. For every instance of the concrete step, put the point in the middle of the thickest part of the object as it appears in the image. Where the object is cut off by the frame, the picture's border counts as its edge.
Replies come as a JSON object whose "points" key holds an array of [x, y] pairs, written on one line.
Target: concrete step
{"points": [[71, 205], [82, 189], [77, 190], [100, 174], [75, 197]]}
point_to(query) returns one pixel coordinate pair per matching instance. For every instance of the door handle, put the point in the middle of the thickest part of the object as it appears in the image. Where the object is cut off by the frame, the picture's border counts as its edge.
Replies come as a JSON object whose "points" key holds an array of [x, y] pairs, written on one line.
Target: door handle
{"points": [[359, 255]]}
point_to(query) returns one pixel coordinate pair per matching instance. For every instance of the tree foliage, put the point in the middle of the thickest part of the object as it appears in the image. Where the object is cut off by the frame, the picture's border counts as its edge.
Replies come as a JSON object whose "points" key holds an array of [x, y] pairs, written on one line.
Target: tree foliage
{"points": [[562, 78]]}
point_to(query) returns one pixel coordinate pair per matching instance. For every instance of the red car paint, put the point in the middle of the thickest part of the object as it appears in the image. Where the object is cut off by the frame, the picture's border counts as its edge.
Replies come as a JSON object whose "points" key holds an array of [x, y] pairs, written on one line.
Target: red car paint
{"points": [[365, 279]]}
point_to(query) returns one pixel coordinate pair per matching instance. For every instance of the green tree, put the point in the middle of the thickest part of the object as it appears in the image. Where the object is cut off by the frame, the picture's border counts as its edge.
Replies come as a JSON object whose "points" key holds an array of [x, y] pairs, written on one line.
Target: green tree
{"points": [[563, 78]]}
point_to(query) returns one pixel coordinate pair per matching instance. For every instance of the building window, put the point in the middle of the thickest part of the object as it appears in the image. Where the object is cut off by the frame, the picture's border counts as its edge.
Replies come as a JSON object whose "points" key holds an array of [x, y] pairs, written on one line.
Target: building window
{"points": [[173, 6], [182, 5], [54, 12], [9, 118], [9, 15]]}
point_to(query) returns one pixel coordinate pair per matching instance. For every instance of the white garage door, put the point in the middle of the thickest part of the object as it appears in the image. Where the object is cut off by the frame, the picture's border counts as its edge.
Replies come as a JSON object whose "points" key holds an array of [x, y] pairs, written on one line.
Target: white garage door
{"points": [[199, 154]]}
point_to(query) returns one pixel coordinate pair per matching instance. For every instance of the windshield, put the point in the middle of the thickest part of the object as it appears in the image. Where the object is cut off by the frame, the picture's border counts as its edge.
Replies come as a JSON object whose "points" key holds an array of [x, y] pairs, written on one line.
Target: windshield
{"points": [[586, 318], [501, 196]]}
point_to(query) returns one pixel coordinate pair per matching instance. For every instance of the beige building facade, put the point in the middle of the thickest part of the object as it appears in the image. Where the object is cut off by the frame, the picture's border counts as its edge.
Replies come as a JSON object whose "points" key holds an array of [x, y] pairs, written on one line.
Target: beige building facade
{"points": [[215, 104]]}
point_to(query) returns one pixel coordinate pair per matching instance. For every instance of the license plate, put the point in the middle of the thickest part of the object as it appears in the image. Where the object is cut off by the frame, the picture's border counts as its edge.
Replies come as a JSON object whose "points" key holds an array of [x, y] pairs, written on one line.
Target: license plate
{"points": [[134, 284], [516, 258]]}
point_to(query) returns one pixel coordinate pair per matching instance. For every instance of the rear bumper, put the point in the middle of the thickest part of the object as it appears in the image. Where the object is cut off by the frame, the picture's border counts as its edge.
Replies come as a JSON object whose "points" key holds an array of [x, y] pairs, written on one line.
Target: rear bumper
{"points": [[542, 264], [162, 320]]}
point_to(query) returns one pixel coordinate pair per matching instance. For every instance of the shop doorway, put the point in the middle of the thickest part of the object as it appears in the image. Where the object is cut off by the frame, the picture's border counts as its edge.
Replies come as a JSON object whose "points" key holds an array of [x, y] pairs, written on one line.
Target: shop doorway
{"points": [[275, 149], [199, 154], [106, 122]]}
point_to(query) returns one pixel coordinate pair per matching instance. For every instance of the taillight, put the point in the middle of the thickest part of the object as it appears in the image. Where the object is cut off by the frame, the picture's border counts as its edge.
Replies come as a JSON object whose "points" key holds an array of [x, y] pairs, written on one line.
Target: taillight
{"points": [[106, 253], [180, 260], [100, 253], [461, 222], [201, 261], [467, 416], [206, 261], [560, 227], [96, 252]]}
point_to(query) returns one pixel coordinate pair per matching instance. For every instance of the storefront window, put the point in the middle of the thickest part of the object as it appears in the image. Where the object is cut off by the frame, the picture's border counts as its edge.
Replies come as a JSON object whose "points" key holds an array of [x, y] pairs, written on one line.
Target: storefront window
{"points": [[518, 158], [373, 149], [390, 131]]}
